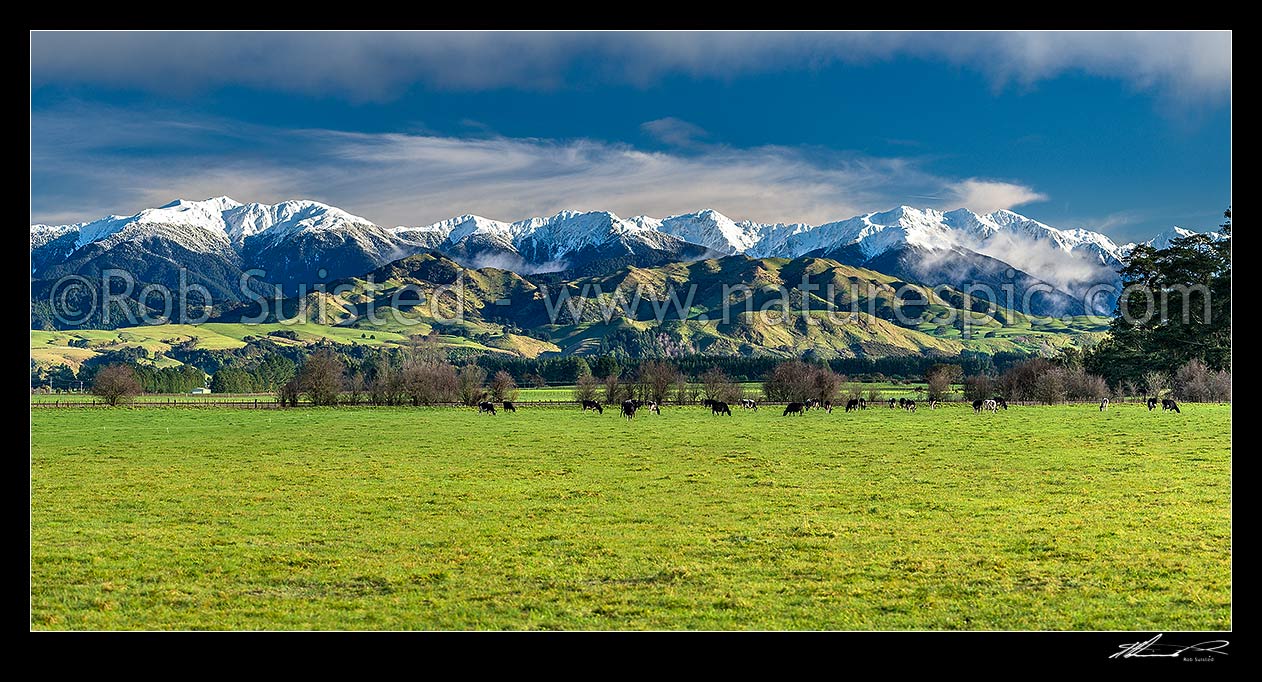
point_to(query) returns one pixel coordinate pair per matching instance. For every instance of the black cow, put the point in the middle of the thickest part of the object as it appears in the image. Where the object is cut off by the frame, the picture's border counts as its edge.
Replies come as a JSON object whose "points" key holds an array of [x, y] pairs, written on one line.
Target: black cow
{"points": [[628, 408], [863, 404], [509, 406], [486, 407], [719, 407], [852, 405], [813, 402], [910, 405], [1168, 404], [592, 405], [794, 408], [902, 402], [1001, 403], [1152, 404], [933, 404], [977, 406], [892, 403], [828, 406]]}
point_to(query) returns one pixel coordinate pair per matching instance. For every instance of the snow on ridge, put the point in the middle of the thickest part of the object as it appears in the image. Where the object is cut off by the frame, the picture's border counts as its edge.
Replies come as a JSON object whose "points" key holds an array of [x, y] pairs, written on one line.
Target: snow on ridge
{"points": [[1002, 234]]}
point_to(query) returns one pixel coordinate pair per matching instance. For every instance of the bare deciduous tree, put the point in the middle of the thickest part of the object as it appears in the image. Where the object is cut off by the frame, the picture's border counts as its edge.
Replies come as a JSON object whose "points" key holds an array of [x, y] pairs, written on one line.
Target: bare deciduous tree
{"points": [[1049, 387], [939, 379], [386, 387], [979, 387], [322, 377], [427, 383], [355, 387], [1195, 382], [503, 387], [116, 384], [825, 383], [716, 385], [795, 380], [616, 390], [288, 392], [472, 384], [1156, 384], [654, 380], [585, 388]]}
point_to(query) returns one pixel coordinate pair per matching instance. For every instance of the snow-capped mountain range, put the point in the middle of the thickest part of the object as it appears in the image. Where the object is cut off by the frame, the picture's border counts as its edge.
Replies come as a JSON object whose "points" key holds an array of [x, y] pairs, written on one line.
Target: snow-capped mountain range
{"points": [[306, 241]]}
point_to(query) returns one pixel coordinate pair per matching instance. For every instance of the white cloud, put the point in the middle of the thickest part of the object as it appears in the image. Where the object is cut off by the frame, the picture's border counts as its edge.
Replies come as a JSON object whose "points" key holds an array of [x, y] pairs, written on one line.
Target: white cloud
{"points": [[417, 179], [984, 196], [1189, 65]]}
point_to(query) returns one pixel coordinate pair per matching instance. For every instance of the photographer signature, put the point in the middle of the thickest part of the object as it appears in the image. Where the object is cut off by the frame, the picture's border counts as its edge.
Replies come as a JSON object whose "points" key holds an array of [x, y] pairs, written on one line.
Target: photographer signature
{"points": [[1153, 649]]}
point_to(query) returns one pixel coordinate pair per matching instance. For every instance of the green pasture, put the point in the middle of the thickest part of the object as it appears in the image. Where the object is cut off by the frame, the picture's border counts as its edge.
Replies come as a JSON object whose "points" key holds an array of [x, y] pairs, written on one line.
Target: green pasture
{"points": [[1051, 518]]}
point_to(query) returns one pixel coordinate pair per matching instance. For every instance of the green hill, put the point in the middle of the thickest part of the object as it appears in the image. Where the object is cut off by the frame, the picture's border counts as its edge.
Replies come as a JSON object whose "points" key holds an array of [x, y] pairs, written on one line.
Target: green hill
{"points": [[727, 306]]}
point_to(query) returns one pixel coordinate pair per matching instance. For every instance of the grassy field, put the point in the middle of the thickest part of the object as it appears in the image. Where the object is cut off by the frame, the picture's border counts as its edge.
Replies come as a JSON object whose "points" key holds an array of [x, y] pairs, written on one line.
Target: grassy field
{"points": [[52, 348], [1035, 518]]}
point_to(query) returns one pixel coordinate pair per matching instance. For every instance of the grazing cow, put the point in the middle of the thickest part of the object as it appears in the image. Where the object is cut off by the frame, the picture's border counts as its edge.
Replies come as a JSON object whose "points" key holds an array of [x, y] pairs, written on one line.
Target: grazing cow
{"points": [[1104, 404], [892, 403], [902, 402], [707, 403], [933, 404], [1001, 403], [592, 405], [863, 404], [628, 408], [852, 405], [1152, 403], [828, 406], [719, 407], [811, 403], [794, 408], [910, 406], [638, 403], [1168, 404], [509, 406], [653, 407], [486, 407], [749, 404], [990, 405], [977, 406]]}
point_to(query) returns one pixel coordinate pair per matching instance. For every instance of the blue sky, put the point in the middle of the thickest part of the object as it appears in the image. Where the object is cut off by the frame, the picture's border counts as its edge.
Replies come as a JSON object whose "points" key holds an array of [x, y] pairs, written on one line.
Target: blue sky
{"points": [[1124, 133]]}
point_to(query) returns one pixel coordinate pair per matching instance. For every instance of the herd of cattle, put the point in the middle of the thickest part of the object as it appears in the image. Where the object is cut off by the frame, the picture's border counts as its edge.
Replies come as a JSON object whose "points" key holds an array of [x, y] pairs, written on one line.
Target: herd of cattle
{"points": [[718, 407]]}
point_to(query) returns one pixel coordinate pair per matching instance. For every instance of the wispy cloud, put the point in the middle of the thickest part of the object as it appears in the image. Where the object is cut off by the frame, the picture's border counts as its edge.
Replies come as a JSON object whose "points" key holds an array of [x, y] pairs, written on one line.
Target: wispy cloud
{"points": [[674, 131], [417, 179], [984, 196], [1188, 65], [1110, 221]]}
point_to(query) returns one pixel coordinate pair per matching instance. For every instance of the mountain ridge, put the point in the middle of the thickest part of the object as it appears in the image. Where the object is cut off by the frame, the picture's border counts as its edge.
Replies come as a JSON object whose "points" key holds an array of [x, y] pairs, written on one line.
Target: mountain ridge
{"points": [[299, 243], [556, 236]]}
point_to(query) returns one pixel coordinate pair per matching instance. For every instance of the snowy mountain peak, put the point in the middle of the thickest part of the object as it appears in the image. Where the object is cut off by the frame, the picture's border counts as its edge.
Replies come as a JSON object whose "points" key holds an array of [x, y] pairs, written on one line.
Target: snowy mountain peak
{"points": [[221, 203], [210, 222], [308, 231], [713, 230], [1167, 237]]}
